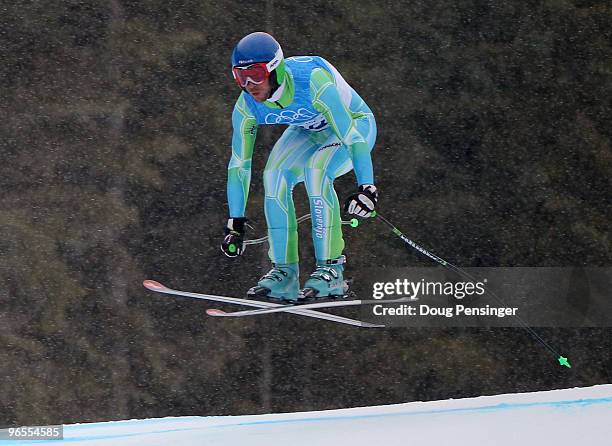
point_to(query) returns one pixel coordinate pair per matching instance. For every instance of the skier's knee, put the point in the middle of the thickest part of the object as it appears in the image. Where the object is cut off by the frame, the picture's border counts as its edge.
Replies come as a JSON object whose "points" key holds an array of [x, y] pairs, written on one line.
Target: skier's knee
{"points": [[316, 180], [273, 179]]}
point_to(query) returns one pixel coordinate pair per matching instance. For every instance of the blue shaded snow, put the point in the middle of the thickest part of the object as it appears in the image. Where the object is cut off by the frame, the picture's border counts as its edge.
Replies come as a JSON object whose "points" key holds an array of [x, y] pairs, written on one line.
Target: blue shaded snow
{"points": [[553, 417]]}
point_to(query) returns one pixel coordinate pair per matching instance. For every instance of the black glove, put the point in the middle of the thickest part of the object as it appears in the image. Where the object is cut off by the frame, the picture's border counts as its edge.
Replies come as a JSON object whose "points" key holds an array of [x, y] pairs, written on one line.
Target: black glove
{"points": [[362, 202], [233, 243]]}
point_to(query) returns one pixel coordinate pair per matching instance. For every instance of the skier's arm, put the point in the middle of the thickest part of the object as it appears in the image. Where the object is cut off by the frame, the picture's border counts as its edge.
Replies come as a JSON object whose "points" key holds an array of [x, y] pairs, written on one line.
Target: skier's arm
{"points": [[239, 167], [326, 99]]}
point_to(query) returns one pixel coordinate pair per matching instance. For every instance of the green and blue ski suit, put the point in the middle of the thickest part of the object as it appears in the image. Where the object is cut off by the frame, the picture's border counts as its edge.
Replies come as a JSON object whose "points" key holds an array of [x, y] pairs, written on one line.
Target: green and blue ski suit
{"points": [[331, 131]]}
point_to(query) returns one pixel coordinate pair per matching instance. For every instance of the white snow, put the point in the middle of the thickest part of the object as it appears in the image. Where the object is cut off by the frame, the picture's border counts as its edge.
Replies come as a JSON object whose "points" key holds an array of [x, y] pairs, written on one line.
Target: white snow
{"points": [[558, 417]]}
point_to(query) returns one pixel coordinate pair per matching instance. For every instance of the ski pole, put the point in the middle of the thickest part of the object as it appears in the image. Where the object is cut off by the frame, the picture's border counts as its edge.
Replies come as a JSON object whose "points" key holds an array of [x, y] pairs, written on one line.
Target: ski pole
{"points": [[353, 223], [562, 360]]}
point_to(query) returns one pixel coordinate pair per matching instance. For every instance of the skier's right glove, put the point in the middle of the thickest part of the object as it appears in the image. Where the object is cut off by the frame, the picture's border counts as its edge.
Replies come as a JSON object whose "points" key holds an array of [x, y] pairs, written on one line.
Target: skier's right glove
{"points": [[233, 243]]}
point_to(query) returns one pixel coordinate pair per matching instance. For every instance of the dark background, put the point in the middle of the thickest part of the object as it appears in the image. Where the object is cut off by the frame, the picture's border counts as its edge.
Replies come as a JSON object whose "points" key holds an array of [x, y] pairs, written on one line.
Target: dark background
{"points": [[493, 150]]}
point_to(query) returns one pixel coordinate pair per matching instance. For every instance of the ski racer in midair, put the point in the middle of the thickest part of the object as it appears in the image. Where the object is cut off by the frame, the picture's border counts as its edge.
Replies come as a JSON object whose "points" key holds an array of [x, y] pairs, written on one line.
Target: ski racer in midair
{"points": [[330, 132]]}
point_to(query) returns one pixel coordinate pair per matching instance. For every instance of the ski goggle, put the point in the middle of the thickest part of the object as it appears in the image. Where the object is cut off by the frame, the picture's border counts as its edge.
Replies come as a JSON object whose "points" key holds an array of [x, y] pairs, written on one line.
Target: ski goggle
{"points": [[256, 73]]}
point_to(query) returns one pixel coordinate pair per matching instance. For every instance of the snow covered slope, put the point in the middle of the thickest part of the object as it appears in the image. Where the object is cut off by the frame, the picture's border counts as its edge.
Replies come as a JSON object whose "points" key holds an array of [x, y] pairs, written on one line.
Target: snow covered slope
{"points": [[572, 416]]}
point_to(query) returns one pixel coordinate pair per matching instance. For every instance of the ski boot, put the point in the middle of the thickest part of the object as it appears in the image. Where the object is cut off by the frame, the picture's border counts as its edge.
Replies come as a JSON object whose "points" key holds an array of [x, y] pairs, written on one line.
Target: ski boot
{"points": [[281, 283], [326, 281]]}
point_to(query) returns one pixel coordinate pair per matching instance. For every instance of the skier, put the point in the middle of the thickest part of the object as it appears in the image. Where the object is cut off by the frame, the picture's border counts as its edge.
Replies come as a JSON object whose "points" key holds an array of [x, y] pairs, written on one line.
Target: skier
{"points": [[331, 131]]}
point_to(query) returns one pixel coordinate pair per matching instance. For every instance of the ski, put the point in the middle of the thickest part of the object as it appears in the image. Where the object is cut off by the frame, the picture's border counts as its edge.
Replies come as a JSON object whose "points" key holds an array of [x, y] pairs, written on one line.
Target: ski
{"points": [[304, 306], [159, 288]]}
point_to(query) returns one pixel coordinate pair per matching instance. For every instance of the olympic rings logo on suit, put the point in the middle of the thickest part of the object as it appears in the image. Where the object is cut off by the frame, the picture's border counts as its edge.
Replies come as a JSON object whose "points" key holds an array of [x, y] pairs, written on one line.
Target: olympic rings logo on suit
{"points": [[289, 116]]}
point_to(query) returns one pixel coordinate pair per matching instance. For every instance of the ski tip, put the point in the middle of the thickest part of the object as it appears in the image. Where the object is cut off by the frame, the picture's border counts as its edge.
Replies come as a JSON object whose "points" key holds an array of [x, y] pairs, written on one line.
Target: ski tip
{"points": [[153, 285], [215, 312]]}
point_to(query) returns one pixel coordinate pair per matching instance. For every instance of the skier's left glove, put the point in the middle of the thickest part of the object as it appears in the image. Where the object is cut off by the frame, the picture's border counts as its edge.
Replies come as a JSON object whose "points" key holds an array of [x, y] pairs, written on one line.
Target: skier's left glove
{"points": [[363, 202], [233, 242]]}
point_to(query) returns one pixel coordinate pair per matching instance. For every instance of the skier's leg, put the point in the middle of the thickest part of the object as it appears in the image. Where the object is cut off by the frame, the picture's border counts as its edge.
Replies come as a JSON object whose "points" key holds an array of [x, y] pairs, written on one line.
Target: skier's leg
{"points": [[327, 279], [284, 169], [329, 162]]}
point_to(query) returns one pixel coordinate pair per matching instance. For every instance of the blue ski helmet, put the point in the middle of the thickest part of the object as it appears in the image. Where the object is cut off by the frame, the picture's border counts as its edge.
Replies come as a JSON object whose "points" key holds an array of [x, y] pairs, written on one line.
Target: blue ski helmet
{"points": [[260, 47]]}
